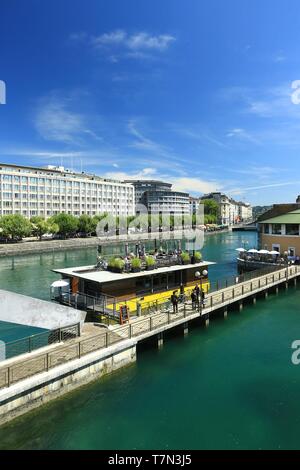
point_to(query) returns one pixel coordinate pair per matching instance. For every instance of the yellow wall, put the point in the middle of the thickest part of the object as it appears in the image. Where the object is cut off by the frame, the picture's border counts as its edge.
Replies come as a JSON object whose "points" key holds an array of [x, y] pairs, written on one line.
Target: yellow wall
{"points": [[284, 241]]}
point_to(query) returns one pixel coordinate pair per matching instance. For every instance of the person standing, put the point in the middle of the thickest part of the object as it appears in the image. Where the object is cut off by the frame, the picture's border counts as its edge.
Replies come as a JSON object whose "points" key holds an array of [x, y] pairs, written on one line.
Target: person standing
{"points": [[197, 291], [194, 299], [202, 295], [174, 301]]}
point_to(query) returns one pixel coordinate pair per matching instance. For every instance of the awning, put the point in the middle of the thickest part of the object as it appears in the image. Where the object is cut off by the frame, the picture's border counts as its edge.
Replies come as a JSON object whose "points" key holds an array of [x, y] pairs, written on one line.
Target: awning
{"points": [[60, 283]]}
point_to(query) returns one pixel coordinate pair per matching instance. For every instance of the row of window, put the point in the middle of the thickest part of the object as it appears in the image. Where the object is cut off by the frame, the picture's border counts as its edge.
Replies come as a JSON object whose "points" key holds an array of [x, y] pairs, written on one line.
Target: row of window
{"points": [[62, 183], [276, 229]]}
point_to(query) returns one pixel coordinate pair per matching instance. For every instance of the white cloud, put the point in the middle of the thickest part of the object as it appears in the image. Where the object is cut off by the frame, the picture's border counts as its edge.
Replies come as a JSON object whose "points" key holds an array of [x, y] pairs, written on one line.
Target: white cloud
{"points": [[194, 185], [184, 184], [147, 41], [119, 43], [145, 173], [261, 187], [56, 122], [242, 134], [114, 37]]}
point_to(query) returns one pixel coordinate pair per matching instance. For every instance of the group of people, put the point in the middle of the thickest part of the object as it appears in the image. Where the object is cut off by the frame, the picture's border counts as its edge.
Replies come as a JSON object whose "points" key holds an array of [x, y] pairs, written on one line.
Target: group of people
{"points": [[197, 298]]}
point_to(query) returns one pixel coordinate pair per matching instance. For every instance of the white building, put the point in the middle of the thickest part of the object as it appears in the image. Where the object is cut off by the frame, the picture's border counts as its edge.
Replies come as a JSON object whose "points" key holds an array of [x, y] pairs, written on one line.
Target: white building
{"points": [[230, 211], [32, 191], [167, 202], [245, 212], [158, 197]]}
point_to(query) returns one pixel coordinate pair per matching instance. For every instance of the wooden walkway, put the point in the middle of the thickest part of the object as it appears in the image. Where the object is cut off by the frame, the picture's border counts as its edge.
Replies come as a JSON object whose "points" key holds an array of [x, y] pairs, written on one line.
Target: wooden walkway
{"points": [[96, 338]]}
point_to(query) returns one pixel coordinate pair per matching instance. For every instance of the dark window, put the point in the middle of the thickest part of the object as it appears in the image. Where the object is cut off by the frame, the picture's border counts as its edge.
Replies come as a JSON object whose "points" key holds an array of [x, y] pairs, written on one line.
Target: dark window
{"points": [[266, 228], [276, 229], [292, 229]]}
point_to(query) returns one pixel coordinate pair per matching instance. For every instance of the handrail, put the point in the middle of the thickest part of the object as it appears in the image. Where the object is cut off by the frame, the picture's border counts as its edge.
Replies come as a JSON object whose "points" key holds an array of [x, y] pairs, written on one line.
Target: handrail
{"points": [[39, 340], [46, 361]]}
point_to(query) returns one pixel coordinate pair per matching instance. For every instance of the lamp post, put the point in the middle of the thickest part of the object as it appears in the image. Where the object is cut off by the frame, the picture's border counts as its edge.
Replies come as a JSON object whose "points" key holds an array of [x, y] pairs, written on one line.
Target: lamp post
{"points": [[200, 276]]}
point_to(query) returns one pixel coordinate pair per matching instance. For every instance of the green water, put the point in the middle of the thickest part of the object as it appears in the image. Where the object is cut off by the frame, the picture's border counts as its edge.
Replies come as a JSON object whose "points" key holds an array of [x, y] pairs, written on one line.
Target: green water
{"points": [[231, 386]]}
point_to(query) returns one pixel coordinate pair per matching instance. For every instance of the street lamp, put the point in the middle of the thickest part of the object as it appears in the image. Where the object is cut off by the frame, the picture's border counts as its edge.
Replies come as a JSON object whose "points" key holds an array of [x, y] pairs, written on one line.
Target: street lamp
{"points": [[200, 276]]}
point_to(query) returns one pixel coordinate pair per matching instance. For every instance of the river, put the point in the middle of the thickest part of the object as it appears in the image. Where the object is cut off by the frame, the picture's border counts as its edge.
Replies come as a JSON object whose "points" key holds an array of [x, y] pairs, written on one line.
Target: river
{"points": [[230, 386]]}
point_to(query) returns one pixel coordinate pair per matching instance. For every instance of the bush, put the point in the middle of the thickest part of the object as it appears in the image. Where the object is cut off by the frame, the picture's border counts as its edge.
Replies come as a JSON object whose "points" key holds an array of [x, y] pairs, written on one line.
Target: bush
{"points": [[116, 264], [198, 256], [185, 257], [136, 263], [150, 261]]}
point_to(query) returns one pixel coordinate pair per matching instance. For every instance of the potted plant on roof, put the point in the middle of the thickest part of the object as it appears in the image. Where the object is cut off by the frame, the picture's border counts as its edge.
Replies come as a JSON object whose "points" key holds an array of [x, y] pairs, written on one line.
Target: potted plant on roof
{"points": [[136, 265], [198, 257], [185, 257], [116, 265], [150, 263]]}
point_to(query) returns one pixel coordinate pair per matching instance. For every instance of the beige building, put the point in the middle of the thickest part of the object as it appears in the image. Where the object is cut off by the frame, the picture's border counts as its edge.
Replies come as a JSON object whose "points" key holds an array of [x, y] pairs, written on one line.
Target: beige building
{"points": [[32, 191], [281, 233], [230, 211]]}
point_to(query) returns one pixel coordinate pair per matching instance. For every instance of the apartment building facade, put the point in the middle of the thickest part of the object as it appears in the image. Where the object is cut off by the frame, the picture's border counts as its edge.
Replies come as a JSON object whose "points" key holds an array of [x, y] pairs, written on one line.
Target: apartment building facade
{"points": [[33, 191], [230, 211], [158, 197]]}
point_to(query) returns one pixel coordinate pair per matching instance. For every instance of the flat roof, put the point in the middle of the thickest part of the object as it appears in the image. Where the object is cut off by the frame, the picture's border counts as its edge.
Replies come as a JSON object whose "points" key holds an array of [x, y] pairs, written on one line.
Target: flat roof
{"points": [[108, 276], [62, 172]]}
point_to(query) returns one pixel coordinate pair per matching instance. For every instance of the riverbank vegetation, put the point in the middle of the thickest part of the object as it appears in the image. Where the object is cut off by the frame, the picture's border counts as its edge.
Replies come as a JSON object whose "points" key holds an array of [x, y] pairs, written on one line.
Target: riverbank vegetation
{"points": [[63, 226]]}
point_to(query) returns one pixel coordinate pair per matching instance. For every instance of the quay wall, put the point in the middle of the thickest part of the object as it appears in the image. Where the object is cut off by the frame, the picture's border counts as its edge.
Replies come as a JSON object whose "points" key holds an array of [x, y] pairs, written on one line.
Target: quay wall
{"points": [[42, 388], [51, 246]]}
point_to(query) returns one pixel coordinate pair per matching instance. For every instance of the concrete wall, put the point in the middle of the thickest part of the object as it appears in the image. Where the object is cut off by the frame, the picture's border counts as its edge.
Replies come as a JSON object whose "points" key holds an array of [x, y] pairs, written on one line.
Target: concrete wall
{"points": [[40, 389], [26, 310]]}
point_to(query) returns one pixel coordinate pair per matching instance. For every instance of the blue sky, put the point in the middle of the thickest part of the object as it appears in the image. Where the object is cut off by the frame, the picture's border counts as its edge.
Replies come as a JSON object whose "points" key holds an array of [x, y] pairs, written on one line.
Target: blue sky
{"points": [[194, 92]]}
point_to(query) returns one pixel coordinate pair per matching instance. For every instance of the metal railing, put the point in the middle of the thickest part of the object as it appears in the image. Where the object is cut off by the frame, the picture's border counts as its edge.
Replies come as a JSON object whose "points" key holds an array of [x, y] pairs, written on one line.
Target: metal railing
{"points": [[153, 322], [32, 343]]}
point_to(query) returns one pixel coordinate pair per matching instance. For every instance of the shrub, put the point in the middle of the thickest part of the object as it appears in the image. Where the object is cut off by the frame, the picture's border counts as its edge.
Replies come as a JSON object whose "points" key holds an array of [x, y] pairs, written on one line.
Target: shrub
{"points": [[116, 264], [136, 263], [198, 256], [150, 261], [185, 257]]}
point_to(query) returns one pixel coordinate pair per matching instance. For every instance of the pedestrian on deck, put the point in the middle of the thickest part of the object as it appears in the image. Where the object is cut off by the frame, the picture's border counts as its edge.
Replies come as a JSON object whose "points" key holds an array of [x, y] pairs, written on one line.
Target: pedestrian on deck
{"points": [[174, 301], [202, 297], [194, 299], [197, 290]]}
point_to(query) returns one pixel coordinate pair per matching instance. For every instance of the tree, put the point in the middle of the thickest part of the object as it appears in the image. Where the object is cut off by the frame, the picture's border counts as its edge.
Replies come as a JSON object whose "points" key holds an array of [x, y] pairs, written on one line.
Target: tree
{"points": [[86, 224], [210, 219], [40, 226], [15, 226], [211, 207], [67, 224]]}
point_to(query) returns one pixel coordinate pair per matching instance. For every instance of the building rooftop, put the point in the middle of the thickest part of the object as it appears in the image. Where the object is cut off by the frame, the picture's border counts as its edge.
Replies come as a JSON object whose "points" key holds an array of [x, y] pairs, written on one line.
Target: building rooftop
{"points": [[89, 273], [58, 170], [292, 217], [142, 181]]}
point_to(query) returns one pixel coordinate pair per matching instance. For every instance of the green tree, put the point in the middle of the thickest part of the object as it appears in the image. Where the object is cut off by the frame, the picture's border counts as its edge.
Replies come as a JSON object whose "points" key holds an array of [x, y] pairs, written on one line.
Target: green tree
{"points": [[15, 226], [210, 219], [67, 224], [211, 207], [40, 226], [86, 224]]}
